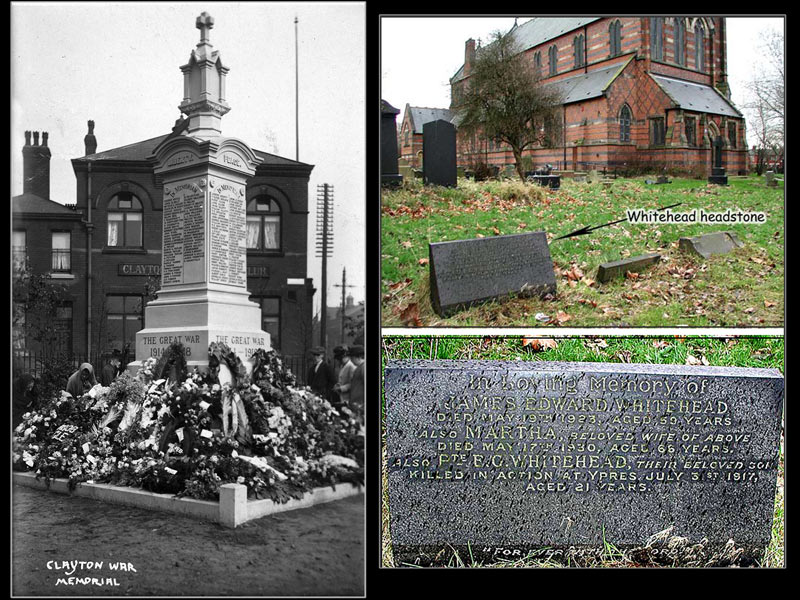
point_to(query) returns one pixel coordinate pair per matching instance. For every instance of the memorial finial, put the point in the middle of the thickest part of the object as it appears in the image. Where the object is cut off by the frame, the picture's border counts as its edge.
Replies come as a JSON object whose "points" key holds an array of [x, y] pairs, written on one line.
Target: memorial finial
{"points": [[205, 22]]}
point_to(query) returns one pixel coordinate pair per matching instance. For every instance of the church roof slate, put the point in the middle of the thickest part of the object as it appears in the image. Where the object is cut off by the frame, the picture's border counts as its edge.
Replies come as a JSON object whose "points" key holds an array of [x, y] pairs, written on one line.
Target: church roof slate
{"points": [[696, 96], [421, 115]]}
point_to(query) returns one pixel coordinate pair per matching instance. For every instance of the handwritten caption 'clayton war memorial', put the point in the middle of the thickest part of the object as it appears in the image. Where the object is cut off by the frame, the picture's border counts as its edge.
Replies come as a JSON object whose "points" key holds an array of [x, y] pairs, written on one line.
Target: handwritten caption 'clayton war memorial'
{"points": [[547, 452], [88, 572]]}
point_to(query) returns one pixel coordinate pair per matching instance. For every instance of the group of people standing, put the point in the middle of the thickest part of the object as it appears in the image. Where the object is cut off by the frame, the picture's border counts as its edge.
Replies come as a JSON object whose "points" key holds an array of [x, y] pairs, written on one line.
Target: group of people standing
{"points": [[341, 382]]}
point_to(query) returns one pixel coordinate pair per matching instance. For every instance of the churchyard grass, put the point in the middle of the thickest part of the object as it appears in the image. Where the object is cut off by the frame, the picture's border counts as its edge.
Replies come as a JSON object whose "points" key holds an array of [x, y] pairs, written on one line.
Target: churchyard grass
{"points": [[743, 288], [763, 352]]}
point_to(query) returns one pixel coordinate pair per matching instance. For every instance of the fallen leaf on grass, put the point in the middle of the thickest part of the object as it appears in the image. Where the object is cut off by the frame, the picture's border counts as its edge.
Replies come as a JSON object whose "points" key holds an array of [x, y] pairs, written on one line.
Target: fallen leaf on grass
{"points": [[692, 360], [768, 304], [400, 284], [749, 310], [538, 344], [560, 318], [542, 317], [630, 275], [574, 274], [410, 315], [423, 261], [406, 244], [660, 344], [495, 231]]}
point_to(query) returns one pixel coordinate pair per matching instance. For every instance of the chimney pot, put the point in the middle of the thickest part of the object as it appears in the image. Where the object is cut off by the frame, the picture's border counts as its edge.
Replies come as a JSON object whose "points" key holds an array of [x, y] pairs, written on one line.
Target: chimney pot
{"points": [[89, 141], [27, 138], [44, 138], [35, 138]]}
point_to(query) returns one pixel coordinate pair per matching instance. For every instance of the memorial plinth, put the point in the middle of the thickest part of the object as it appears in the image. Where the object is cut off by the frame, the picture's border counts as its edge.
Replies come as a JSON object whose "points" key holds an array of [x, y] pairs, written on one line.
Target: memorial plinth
{"points": [[203, 296]]}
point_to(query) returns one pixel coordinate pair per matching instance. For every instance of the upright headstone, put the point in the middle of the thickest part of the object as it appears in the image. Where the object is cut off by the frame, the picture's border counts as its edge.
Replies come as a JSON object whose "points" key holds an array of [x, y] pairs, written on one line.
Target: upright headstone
{"points": [[717, 170], [389, 173], [203, 296], [439, 150], [467, 272], [488, 455], [770, 179]]}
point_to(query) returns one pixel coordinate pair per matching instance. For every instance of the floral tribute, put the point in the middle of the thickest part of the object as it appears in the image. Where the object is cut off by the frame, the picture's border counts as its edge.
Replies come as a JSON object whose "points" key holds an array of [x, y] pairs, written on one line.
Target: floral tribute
{"points": [[170, 431]]}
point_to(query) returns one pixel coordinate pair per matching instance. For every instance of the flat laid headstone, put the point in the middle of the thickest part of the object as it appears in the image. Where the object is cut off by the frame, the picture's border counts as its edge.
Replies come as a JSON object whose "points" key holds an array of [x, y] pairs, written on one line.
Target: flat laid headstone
{"points": [[439, 149], [610, 270], [488, 455], [719, 242], [467, 272]]}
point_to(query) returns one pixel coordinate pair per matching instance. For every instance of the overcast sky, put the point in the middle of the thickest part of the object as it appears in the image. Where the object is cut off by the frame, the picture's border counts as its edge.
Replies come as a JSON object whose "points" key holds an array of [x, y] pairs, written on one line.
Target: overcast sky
{"points": [[419, 55], [118, 64]]}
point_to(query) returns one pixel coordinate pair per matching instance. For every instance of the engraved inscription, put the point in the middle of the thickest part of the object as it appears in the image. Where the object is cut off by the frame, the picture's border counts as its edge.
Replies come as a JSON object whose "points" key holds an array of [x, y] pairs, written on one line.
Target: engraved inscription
{"points": [[228, 236], [184, 235], [610, 434]]}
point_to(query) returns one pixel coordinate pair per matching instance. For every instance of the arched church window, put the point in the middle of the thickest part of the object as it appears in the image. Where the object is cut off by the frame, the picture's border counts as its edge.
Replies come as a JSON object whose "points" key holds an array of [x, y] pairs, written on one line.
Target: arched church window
{"points": [[263, 224], [699, 48], [615, 37], [553, 56], [124, 221], [578, 45], [680, 41], [625, 118], [657, 38]]}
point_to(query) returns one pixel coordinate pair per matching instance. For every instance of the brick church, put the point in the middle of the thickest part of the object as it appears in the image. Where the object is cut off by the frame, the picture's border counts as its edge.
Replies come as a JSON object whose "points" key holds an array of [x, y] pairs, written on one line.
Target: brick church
{"points": [[105, 249], [647, 92]]}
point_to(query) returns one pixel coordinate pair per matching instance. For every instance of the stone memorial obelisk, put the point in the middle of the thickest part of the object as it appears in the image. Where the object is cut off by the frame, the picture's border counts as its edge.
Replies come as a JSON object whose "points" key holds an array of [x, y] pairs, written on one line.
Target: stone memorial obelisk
{"points": [[203, 296]]}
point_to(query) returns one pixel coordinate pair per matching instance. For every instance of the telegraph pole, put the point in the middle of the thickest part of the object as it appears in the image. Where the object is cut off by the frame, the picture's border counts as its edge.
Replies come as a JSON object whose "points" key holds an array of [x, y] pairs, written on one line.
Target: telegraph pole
{"points": [[296, 98], [343, 285], [324, 248]]}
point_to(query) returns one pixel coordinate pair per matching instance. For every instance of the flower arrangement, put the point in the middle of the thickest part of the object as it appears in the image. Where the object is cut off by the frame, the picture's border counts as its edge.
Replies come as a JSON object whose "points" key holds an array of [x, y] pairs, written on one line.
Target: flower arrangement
{"points": [[170, 431]]}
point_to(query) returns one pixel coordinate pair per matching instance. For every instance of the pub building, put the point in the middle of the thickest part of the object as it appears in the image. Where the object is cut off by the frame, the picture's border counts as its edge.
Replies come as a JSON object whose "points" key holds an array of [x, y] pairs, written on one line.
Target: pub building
{"points": [[106, 248]]}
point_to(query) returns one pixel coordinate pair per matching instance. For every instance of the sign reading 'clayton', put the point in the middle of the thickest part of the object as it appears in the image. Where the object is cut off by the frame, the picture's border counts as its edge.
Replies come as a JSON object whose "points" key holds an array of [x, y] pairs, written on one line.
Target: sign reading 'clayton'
{"points": [[465, 272], [531, 455]]}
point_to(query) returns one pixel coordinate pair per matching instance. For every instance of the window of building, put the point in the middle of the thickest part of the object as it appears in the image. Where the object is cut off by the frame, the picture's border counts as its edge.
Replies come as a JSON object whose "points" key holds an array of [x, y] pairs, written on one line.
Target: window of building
{"points": [[61, 252], [537, 63], [263, 224], [625, 119], [19, 249], [732, 133], [615, 37], [270, 318], [680, 39], [62, 326], [405, 135], [578, 46], [657, 131], [124, 319], [657, 38], [553, 57], [699, 48], [125, 221], [691, 130]]}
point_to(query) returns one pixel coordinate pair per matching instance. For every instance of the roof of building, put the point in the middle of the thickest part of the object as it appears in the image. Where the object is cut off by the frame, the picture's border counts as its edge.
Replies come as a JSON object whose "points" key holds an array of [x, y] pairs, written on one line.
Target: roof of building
{"points": [[696, 96], [142, 150], [421, 115], [587, 85], [31, 203], [539, 30]]}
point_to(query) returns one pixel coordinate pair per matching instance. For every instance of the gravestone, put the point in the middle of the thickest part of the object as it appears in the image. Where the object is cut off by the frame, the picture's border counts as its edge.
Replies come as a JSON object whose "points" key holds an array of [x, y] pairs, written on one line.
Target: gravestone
{"points": [[466, 272], [489, 455], [706, 245], [770, 179], [439, 150], [203, 296], [389, 172], [717, 170], [611, 270]]}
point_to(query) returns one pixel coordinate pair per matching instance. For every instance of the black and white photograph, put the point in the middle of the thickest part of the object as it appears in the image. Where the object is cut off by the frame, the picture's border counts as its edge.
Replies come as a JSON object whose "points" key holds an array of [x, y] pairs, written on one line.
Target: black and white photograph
{"points": [[188, 290]]}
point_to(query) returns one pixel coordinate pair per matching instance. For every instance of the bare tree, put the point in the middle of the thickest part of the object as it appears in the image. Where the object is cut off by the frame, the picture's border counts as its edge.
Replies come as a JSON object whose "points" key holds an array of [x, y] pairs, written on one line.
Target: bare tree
{"points": [[766, 106], [504, 99]]}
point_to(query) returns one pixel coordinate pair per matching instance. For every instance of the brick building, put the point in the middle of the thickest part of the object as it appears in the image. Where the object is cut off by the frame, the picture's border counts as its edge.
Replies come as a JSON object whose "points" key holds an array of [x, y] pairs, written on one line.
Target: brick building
{"points": [[647, 92], [410, 136]]}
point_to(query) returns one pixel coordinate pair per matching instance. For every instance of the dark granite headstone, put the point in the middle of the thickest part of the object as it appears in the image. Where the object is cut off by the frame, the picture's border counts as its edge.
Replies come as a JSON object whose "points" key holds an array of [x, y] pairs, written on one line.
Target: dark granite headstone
{"points": [[706, 245], [517, 455], [466, 272], [439, 150], [610, 270], [718, 175], [389, 173]]}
